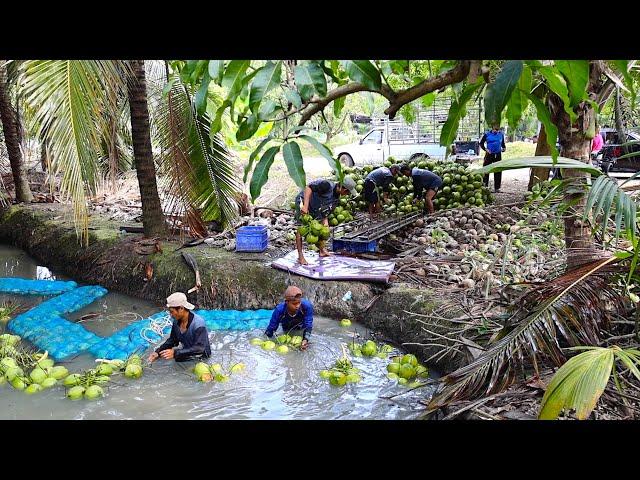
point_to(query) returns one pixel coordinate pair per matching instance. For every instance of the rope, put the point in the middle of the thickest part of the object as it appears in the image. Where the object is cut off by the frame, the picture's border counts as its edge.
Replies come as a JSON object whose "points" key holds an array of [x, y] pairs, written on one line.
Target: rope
{"points": [[156, 326]]}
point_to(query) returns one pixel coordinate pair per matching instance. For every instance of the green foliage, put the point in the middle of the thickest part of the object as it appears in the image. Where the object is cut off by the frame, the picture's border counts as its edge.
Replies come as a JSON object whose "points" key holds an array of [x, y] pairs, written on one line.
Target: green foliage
{"points": [[577, 74], [363, 71], [542, 161], [294, 162], [498, 92], [580, 382], [456, 112], [261, 173]]}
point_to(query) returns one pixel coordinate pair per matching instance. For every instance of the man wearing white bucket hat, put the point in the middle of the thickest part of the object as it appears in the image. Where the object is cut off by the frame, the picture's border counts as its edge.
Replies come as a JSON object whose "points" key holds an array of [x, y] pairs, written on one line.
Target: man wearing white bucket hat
{"points": [[188, 330]]}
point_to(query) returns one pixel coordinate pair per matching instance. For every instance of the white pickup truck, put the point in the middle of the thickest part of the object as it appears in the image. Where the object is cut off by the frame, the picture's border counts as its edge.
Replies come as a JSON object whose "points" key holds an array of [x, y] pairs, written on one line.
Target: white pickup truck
{"points": [[378, 145]]}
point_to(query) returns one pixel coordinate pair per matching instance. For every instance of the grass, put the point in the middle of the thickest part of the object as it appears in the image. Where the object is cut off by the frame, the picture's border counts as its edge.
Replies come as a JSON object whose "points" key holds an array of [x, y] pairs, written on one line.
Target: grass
{"points": [[519, 149]]}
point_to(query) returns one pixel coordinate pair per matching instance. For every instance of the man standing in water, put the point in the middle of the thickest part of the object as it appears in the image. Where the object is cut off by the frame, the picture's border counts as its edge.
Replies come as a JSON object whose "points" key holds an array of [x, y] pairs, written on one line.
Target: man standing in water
{"points": [[294, 313], [188, 329]]}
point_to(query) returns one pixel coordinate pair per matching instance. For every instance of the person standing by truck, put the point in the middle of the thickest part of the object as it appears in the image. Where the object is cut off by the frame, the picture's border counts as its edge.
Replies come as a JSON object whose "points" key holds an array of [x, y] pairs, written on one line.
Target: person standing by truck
{"points": [[377, 181], [423, 180], [492, 142]]}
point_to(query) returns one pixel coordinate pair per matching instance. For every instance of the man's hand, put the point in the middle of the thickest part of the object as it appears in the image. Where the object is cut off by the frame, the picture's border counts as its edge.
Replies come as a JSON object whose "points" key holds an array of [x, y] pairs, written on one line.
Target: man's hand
{"points": [[304, 345], [153, 357], [304, 209], [167, 354]]}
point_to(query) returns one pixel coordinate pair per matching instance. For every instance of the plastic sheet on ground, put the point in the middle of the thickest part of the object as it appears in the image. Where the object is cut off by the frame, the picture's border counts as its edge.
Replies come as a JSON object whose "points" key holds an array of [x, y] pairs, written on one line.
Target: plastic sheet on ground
{"points": [[336, 267]]}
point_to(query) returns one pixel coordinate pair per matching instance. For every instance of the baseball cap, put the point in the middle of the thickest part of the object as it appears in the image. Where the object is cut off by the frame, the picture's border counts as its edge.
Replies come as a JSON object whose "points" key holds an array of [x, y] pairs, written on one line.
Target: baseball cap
{"points": [[179, 299], [292, 292], [350, 184]]}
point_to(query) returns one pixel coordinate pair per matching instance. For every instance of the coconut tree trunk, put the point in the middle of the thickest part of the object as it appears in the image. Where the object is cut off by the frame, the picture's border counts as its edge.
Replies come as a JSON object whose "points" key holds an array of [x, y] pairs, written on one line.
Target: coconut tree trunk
{"points": [[152, 216], [575, 142], [617, 113], [11, 138], [539, 175]]}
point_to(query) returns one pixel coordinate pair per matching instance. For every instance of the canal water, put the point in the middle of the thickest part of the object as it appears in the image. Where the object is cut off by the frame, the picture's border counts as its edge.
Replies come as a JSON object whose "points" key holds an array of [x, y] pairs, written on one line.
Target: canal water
{"points": [[273, 386]]}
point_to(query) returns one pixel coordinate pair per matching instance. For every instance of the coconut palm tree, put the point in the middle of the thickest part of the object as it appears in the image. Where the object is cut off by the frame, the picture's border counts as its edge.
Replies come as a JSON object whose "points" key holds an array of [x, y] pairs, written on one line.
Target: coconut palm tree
{"points": [[10, 129], [76, 104]]}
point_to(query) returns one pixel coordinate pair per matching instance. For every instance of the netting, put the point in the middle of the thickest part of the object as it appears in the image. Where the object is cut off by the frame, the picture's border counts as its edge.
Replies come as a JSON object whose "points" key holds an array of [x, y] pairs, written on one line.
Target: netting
{"points": [[24, 286], [47, 329], [44, 326]]}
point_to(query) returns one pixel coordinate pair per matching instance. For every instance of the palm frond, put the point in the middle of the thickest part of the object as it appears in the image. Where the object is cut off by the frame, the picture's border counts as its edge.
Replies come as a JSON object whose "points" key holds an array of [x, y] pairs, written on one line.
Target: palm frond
{"points": [[603, 195], [199, 169], [70, 98], [542, 161], [575, 305]]}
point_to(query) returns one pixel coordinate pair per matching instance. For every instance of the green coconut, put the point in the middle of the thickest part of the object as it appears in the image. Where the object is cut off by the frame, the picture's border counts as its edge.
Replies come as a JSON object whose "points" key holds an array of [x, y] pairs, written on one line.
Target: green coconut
{"points": [[353, 378], [133, 370], [393, 368], [59, 372], [45, 363], [75, 393], [72, 380], [33, 388], [345, 322], [406, 371], [134, 360], [93, 392], [104, 369], [101, 379], [221, 377], [410, 359], [296, 340], [216, 368], [325, 374], [38, 375], [268, 345], [238, 367], [13, 372], [256, 341], [201, 368], [49, 382], [392, 376], [19, 383], [282, 349]]}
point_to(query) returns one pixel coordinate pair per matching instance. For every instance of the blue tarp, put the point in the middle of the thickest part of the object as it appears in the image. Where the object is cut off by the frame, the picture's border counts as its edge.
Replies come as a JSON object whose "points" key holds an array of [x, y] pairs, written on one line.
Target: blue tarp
{"points": [[47, 329], [23, 286]]}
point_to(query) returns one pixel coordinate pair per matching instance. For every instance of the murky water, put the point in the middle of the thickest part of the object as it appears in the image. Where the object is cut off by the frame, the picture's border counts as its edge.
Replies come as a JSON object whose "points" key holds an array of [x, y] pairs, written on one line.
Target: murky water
{"points": [[273, 386]]}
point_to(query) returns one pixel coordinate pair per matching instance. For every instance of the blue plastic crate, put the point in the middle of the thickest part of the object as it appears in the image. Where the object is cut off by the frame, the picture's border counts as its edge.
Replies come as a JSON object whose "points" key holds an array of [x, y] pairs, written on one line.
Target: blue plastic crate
{"points": [[252, 238], [353, 246]]}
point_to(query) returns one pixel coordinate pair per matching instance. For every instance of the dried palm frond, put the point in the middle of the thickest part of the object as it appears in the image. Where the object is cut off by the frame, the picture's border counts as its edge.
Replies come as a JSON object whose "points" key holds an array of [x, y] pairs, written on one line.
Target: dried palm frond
{"points": [[201, 182], [576, 305]]}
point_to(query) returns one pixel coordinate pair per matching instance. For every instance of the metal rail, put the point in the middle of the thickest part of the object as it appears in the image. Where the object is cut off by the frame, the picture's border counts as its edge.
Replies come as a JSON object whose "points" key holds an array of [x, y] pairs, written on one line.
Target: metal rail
{"points": [[379, 230]]}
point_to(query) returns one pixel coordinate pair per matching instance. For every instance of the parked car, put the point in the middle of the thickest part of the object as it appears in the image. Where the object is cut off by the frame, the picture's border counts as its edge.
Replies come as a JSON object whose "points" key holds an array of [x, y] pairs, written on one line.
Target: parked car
{"points": [[608, 158]]}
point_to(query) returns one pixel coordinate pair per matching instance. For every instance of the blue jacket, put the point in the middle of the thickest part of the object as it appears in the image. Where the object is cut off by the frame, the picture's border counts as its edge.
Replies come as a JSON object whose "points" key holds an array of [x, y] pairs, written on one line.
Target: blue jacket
{"points": [[381, 176], [320, 204], [195, 339], [494, 141], [302, 319], [425, 179]]}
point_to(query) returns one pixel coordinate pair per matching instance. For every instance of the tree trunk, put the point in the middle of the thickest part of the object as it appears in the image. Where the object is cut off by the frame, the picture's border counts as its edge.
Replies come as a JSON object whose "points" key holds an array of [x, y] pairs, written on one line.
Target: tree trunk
{"points": [[43, 156], [618, 120], [11, 131], [576, 144], [539, 175], [152, 216]]}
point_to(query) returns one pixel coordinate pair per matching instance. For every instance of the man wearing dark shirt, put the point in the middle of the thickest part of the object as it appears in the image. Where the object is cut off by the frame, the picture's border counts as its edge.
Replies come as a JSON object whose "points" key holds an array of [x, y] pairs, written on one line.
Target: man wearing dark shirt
{"points": [[188, 329], [319, 198], [492, 142], [378, 180], [423, 180], [295, 313]]}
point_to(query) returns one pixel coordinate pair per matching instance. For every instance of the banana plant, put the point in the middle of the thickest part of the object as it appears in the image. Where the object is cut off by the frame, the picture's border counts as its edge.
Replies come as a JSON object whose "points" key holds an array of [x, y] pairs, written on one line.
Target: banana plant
{"points": [[580, 382]]}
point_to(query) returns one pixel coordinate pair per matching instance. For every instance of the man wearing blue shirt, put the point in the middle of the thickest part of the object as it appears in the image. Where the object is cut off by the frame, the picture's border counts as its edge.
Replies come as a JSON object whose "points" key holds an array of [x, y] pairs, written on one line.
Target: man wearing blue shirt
{"points": [[189, 337], [378, 180], [295, 313], [426, 180], [492, 142]]}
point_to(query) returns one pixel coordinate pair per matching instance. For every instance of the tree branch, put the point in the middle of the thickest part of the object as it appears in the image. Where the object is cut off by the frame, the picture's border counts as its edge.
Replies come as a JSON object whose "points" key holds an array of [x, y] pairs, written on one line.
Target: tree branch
{"points": [[396, 99], [455, 75]]}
